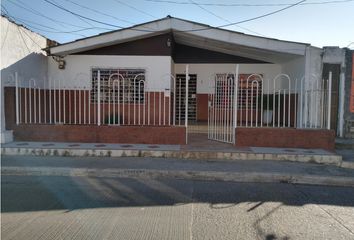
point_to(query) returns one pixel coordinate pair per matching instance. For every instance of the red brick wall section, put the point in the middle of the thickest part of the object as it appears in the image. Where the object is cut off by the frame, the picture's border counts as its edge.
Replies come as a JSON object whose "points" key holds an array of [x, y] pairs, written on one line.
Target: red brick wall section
{"points": [[352, 88], [10, 107], [100, 134], [285, 138], [202, 107]]}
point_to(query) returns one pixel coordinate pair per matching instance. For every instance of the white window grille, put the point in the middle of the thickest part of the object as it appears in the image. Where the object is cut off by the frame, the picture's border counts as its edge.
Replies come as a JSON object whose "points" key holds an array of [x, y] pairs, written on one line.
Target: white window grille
{"points": [[119, 85], [249, 88]]}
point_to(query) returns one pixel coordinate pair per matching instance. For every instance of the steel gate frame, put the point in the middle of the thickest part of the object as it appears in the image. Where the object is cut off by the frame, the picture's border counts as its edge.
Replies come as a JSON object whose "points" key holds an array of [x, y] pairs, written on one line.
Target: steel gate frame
{"points": [[222, 108]]}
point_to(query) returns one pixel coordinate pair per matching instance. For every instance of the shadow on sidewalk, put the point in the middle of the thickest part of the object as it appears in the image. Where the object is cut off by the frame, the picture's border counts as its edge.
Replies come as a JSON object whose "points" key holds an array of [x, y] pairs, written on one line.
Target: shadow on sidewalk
{"points": [[28, 193]]}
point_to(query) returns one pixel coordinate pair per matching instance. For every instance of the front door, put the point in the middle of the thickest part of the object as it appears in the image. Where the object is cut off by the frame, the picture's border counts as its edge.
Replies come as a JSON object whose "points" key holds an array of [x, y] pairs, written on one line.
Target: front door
{"points": [[180, 92]]}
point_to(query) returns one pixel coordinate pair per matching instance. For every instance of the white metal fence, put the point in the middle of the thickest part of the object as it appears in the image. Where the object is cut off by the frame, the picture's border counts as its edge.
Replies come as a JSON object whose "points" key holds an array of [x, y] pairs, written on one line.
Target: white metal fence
{"points": [[236, 101], [253, 101], [115, 101]]}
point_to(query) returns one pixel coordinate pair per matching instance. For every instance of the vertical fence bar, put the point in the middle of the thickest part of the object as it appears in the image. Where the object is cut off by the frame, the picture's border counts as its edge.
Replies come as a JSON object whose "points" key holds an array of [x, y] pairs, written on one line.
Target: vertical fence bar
{"points": [[148, 107], [80, 110], [45, 101], [274, 102], [284, 104], [295, 103], [257, 103], [235, 103], [55, 101], [223, 106], [99, 98], [164, 107], [179, 102], [34, 103], [228, 109], [154, 96], [262, 101], [39, 106], [75, 107], [251, 103], [144, 105], [30, 101], [289, 107], [174, 102], [279, 94], [89, 105], [118, 100], [26, 107], [159, 95], [317, 106], [301, 101], [70, 120], [323, 103], [123, 100], [64, 105], [186, 109], [59, 100], [214, 109], [17, 100], [50, 100], [329, 100], [268, 95], [247, 102], [84, 90], [311, 105]]}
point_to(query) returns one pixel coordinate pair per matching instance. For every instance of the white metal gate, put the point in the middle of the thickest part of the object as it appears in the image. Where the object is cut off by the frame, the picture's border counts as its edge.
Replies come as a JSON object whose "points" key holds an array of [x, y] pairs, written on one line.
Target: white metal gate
{"points": [[221, 109]]}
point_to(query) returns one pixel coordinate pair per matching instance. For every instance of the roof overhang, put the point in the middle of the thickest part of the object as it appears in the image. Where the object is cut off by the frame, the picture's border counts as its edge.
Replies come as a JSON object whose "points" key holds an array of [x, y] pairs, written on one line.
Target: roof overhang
{"points": [[192, 34]]}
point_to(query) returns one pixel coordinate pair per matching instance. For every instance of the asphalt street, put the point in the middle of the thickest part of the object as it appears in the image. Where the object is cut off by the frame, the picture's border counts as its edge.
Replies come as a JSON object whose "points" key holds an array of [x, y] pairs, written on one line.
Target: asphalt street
{"points": [[52, 207]]}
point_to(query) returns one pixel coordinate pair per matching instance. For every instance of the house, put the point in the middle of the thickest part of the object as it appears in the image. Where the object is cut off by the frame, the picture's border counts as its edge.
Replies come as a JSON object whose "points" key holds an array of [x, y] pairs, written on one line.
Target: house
{"points": [[162, 81], [21, 52]]}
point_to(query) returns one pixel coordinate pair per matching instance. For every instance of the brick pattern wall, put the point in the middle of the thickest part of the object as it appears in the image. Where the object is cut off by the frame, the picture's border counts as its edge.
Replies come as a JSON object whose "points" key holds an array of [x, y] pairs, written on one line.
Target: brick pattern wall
{"points": [[101, 134], [285, 138], [80, 110]]}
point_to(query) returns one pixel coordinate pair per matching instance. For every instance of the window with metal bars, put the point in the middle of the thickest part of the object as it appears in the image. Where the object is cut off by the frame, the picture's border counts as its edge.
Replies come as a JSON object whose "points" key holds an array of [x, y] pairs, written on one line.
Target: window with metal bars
{"points": [[247, 90], [118, 85]]}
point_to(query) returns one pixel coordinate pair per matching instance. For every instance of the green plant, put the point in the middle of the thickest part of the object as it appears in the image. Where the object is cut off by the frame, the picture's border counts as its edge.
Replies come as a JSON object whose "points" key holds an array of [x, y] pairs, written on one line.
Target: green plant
{"points": [[268, 101], [113, 119]]}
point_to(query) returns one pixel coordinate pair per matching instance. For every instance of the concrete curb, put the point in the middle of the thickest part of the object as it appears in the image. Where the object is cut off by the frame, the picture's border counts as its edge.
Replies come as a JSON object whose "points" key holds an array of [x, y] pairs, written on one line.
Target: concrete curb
{"points": [[188, 175], [346, 164], [310, 158]]}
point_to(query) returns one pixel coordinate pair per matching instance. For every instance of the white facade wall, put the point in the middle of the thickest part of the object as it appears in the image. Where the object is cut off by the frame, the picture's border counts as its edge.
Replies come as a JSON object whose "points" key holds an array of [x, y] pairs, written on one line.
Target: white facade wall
{"points": [[77, 72], [206, 73], [296, 70], [20, 52]]}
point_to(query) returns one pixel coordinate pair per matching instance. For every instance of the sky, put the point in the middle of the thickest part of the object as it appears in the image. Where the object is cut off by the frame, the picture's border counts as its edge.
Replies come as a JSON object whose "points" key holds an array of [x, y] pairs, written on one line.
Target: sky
{"points": [[319, 24]]}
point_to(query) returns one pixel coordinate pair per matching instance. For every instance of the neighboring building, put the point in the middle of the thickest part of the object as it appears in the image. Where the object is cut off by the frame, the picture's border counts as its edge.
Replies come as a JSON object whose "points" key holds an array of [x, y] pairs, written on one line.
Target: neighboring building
{"points": [[21, 52], [129, 86], [349, 96]]}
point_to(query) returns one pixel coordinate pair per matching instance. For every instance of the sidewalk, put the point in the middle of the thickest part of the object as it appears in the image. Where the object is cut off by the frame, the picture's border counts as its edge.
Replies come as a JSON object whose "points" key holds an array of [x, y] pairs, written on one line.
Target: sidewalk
{"points": [[135, 167], [215, 151]]}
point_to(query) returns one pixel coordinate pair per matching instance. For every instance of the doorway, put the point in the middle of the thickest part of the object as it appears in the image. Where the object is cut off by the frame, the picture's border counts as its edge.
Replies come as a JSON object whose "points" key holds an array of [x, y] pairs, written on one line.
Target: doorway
{"points": [[180, 92]]}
